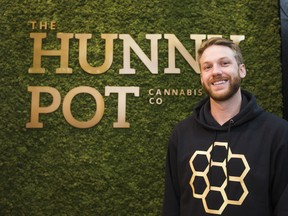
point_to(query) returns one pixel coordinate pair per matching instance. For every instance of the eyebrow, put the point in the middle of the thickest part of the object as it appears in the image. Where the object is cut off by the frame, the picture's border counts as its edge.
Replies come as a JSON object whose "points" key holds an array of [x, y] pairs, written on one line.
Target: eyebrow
{"points": [[222, 58]]}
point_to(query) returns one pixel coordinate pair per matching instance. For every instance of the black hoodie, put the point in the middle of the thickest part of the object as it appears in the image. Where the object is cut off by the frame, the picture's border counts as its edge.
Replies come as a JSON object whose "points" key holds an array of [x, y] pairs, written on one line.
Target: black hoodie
{"points": [[237, 169]]}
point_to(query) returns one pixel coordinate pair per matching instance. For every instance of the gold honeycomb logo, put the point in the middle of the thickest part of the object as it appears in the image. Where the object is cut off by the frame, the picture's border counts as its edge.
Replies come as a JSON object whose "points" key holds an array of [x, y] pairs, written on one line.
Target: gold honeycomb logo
{"points": [[200, 174]]}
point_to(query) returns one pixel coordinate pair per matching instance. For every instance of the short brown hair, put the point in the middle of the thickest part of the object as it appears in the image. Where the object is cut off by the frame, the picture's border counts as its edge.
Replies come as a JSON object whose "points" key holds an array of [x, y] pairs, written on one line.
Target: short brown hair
{"points": [[221, 42]]}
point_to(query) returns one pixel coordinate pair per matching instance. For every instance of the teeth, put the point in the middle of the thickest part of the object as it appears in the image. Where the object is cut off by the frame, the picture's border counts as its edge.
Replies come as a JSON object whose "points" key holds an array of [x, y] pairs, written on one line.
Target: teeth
{"points": [[219, 82]]}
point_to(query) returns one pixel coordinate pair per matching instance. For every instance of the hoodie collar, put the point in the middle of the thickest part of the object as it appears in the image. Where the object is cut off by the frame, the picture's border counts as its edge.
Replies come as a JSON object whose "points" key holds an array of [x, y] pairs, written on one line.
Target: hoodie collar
{"points": [[249, 110]]}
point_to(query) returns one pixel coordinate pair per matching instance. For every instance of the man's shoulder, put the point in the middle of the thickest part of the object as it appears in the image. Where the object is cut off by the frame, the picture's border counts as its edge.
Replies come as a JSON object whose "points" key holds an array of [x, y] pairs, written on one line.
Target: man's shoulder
{"points": [[184, 123], [274, 120]]}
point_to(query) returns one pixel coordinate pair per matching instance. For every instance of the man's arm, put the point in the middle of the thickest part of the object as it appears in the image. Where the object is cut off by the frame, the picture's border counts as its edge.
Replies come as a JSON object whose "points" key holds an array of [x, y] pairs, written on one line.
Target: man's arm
{"points": [[172, 195]]}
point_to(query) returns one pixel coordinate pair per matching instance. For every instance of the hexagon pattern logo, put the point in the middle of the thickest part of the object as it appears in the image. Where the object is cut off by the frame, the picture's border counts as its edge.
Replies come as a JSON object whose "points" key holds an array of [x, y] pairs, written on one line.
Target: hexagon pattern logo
{"points": [[200, 174]]}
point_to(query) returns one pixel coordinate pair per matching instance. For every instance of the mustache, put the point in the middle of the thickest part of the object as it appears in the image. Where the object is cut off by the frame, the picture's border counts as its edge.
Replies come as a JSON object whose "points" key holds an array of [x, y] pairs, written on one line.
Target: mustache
{"points": [[219, 78]]}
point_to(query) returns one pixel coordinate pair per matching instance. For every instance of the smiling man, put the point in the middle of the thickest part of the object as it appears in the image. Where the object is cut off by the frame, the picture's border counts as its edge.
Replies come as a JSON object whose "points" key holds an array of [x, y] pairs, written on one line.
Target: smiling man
{"points": [[230, 157]]}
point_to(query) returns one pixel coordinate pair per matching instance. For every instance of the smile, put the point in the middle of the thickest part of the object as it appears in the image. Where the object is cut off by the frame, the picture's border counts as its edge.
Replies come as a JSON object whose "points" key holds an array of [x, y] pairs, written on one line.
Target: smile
{"points": [[219, 82]]}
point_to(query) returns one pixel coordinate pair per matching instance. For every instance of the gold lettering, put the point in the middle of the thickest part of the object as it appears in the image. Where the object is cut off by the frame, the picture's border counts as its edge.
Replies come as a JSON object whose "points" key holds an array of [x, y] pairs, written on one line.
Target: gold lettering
{"points": [[122, 92], [237, 38], [174, 91], [35, 104], [151, 91], [129, 43], [158, 92], [83, 53], [39, 52], [53, 25], [33, 23], [189, 92], [182, 92], [98, 112], [43, 25], [174, 43], [167, 91]]}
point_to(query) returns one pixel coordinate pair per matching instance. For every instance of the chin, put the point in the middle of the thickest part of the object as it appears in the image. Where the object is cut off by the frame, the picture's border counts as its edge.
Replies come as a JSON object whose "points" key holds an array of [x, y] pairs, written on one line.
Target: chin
{"points": [[224, 95]]}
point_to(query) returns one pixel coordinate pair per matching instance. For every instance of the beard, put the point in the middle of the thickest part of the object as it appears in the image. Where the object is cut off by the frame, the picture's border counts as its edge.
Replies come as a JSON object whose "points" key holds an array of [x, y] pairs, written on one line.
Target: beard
{"points": [[234, 85]]}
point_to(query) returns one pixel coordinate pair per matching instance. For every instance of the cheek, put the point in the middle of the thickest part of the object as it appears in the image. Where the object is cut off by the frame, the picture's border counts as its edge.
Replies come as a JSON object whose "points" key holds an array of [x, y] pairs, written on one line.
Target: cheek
{"points": [[203, 78], [201, 82]]}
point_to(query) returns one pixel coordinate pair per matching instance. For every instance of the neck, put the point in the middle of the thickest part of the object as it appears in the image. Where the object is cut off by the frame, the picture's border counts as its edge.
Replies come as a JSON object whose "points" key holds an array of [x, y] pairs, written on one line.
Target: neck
{"points": [[222, 111]]}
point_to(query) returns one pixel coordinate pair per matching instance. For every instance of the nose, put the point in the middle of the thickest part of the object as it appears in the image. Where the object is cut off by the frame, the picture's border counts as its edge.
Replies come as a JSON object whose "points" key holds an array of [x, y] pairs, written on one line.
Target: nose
{"points": [[216, 69]]}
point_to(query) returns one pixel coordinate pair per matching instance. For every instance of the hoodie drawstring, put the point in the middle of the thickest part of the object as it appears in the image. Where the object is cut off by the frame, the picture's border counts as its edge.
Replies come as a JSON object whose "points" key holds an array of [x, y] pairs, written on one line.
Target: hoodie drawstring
{"points": [[210, 160], [231, 122]]}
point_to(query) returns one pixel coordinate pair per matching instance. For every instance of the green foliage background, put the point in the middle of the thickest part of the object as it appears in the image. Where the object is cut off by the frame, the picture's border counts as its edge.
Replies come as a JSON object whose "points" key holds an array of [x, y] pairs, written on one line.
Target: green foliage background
{"points": [[62, 170]]}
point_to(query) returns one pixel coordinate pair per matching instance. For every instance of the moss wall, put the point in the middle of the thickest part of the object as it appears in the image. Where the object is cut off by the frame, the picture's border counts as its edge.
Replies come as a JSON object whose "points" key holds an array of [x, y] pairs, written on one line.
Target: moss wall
{"points": [[63, 170]]}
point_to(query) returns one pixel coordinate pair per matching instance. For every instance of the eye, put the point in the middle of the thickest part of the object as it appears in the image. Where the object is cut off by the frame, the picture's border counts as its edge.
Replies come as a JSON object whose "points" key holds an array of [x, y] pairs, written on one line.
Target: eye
{"points": [[225, 63], [206, 67]]}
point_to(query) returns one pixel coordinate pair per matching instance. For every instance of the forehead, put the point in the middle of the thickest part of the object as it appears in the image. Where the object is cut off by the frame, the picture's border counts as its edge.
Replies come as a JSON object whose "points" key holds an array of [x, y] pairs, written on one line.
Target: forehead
{"points": [[216, 52]]}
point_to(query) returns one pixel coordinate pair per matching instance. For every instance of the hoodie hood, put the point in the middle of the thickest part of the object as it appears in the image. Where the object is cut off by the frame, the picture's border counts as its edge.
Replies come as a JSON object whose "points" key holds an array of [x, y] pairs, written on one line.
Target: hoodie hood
{"points": [[249, 110]]}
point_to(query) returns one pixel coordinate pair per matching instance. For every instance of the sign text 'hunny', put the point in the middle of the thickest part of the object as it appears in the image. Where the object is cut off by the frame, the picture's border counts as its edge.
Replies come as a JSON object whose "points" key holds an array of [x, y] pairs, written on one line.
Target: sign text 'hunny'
{"points": [[123, 92]]}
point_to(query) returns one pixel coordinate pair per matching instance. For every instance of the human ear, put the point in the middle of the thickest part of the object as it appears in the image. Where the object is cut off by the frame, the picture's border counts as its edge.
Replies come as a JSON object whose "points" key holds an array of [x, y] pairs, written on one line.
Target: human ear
{"points": [[242, 71]]}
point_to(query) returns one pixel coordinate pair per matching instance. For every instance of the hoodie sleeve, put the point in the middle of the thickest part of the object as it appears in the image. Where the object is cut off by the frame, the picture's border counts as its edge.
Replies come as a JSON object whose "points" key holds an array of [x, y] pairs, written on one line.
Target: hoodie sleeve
{"points": [[279, 167], [282, 207], [171, 195]]}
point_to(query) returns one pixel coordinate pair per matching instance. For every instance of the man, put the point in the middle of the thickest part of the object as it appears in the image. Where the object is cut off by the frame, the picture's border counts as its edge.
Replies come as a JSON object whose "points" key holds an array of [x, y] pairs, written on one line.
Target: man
{"points": [[230, 157]]}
